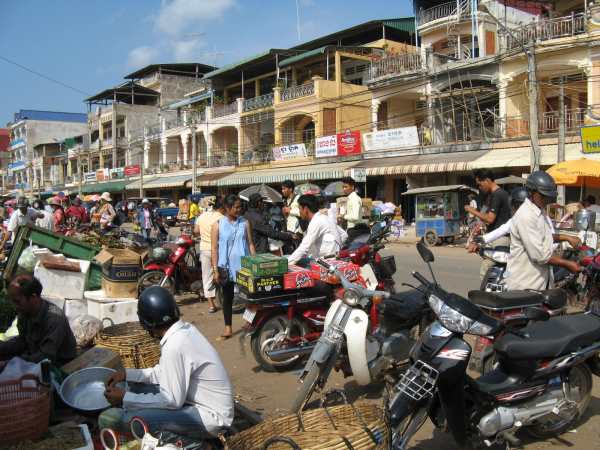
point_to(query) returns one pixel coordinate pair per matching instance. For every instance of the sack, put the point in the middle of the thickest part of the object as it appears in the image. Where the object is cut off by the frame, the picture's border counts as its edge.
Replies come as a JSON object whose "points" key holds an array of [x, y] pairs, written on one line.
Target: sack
{"points": [[27, 260], [224, 276]]}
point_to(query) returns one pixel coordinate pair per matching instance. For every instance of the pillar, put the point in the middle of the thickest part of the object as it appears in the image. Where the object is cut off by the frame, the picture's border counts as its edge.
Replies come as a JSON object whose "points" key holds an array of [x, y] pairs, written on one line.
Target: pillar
{"points": [[502, 87], [338, 72], [163, 147], [209, 144], [375, 113], [146, 154], [257, 88], [101, 160], [185, 139], [240, 142]]}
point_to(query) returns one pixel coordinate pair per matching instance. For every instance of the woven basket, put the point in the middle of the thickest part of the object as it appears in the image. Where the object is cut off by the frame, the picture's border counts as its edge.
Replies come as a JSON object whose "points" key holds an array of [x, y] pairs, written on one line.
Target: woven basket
{"points": [[24, 410], [359, 426], [137, 349]]}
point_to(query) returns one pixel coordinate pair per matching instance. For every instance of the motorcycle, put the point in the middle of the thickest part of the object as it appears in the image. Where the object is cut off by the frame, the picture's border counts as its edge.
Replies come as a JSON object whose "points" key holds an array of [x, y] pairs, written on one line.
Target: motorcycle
{"points": [[174, 267], [354, 341], [542, 384], [493, 281]]}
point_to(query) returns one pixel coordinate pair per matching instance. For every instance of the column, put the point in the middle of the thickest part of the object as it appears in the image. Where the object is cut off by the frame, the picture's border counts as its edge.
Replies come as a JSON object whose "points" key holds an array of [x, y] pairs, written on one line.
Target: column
{"points": [[163, 147], [257, 88], [375, 113], [185, 139], [338, 72], [101, 159], [240, 142], [209, 143], [146, 153]]}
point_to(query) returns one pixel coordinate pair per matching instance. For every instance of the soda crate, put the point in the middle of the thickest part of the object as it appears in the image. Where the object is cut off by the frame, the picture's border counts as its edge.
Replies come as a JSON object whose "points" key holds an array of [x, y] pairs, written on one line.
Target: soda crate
{"points": [[265, 265], [297, 278], [259, 285]]}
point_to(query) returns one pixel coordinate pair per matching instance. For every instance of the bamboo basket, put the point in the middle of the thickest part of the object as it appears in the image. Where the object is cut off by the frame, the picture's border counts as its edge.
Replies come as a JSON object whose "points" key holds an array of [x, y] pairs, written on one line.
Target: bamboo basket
{"points": [[359, 426], [137, 349]]}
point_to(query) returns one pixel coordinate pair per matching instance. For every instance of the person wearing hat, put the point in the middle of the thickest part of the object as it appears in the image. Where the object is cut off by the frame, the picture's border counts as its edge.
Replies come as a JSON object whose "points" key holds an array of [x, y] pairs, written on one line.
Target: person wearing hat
{"points": [[77, 212], [261, 230], [145, 219], [188, 392], [532, 238], [22, 215], [57, 212], [106, 211], [47, 222]]}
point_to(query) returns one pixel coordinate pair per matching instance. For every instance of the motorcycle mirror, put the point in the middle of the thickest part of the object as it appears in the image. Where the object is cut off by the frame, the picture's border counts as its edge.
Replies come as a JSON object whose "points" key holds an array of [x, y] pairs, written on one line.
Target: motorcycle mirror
{"points": [[536, 314], [424, 252]]}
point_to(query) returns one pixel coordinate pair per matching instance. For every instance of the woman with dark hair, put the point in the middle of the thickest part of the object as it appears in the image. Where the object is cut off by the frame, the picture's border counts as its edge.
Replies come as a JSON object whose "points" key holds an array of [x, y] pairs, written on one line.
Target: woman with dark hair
{"points": [[231, 239]]}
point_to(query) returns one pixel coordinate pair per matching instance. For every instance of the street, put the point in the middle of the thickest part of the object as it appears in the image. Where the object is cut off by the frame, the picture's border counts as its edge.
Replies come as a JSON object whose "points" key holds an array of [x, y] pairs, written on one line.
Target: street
{"points": [[272, 393]]}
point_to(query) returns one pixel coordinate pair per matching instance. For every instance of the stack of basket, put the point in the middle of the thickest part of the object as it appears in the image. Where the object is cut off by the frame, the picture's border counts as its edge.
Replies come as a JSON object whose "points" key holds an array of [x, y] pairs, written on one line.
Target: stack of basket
{"points": [[359, 426], [137, 349]]}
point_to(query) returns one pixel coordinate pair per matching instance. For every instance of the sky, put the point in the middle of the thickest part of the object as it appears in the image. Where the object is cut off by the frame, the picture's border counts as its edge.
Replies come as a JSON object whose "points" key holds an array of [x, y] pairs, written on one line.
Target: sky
{"points": [[88, 46]]}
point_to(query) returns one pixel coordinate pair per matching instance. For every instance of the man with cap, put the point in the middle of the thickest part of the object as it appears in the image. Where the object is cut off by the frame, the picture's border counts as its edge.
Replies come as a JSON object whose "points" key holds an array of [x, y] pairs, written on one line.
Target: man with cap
{"points": [[188, 392], [22, 215], [145, 219], [261, 230], [532, 238], [77, 212], [106, 211]]}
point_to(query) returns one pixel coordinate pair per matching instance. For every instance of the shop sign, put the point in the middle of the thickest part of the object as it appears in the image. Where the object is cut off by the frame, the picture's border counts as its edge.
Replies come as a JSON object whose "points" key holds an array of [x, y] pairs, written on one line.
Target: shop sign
{"points": [[394, 138], [131, 171], [326, 146], [117, 173], [359, 174], [17, 165], [286, 152], [348, 143], [590, 139], [89, 177], [101, 174]]}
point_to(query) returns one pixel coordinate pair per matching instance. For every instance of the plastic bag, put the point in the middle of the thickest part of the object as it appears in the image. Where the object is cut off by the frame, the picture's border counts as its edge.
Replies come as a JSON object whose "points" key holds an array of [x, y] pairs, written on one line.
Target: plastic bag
{"points": [[12, 331], [27, 260], [85, 328]]}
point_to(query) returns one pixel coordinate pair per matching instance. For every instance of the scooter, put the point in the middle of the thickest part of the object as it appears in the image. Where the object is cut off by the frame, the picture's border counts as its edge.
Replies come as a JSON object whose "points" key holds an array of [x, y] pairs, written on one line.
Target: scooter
{"points": [[174, 269], [542, 384], [354, 342]]}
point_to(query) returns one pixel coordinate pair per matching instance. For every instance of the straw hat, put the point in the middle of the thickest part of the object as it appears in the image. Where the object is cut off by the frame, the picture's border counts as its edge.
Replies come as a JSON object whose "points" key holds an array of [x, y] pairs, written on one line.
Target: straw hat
{"points": [[106, 197]]}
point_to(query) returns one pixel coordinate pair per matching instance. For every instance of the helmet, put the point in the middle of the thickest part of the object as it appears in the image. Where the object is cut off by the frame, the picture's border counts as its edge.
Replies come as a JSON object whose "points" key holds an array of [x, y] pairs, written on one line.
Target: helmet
{"points": [[518, 196], [540, 181], [156, 308], [160, 254]]}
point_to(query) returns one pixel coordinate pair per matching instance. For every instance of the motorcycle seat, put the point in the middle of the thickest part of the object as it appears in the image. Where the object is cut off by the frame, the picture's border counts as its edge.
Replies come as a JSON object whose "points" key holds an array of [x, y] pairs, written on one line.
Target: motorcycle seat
{"points": [[555, 337], [497, 301]]}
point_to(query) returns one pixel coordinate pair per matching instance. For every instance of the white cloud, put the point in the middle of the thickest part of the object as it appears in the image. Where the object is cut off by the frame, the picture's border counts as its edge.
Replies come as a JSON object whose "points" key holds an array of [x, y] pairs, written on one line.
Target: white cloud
{"points": [[177, 16], [187, 50], [142, 56]]}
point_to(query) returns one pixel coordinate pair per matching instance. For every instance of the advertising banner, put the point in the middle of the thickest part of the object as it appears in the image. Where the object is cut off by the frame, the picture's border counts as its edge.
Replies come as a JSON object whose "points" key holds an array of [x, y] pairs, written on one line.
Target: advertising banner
{"points": [[131, 171], [391, 139], [117, 173], [286, 152], [590, 139], [101, 175], [89, 177], [348, 143], [326, 146]]}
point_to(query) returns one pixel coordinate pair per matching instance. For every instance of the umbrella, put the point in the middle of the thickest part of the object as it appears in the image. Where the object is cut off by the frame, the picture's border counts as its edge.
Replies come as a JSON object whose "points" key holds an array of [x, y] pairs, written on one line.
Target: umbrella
{"points": [[578, 172], [334, 189], [307, 188], [510, 180], [267, 193]]}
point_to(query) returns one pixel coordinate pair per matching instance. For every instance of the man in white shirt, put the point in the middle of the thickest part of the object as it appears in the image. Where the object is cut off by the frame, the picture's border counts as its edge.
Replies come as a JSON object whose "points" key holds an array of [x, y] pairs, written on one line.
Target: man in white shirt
{"points": [[322, 237], [532, 239], [187, 393], [22, 215], [353, 215], [290, 209]]}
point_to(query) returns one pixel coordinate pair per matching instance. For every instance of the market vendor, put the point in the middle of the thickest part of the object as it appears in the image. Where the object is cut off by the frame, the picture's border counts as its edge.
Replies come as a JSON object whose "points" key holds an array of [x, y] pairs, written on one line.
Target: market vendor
{"points": [[44, 331], [187, 393]]}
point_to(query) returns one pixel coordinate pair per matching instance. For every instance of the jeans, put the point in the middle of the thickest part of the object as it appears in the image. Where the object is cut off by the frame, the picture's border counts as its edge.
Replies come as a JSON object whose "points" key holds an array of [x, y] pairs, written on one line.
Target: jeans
{"points": [[185, 421], [227, 293], [146, 233]]}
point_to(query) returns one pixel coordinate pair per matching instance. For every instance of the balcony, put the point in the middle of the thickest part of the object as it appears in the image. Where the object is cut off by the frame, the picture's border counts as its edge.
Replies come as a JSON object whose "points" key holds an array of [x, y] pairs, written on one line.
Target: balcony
{"points": [[262, 101], [295, 92], [545, 30], [444, 11], [575, 119], [225, 110], [258, 154], [393, 66], [16, 143], [176, 122]]}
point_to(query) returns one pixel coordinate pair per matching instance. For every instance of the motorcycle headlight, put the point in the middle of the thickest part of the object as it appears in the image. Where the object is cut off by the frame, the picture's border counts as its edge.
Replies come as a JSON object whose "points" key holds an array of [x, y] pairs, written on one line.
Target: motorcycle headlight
{"points": [[351, 297], [454, 321]]}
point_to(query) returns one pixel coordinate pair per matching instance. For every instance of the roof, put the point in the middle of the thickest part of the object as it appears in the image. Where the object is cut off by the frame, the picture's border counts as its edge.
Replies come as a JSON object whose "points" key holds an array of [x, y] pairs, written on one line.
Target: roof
{"points": [[402, 24], [181, 69], [189, 100], [453, 187], [321, 51], [126, 93], [56, 116]]}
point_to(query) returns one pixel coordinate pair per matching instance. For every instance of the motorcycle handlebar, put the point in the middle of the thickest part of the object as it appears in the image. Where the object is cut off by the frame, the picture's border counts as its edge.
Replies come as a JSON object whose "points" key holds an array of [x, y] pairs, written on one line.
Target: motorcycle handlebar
{"points": [[421, 279]]}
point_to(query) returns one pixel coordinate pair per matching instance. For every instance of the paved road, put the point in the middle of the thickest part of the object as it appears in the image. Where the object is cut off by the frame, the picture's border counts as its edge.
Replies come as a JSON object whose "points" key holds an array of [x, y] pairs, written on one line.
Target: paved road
{"points": [[272, 393]]}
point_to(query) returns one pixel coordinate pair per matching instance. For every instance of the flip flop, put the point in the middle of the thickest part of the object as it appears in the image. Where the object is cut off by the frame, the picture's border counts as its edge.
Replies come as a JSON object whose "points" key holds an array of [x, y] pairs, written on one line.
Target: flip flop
{"points": [[224, 337], [212, 310]]}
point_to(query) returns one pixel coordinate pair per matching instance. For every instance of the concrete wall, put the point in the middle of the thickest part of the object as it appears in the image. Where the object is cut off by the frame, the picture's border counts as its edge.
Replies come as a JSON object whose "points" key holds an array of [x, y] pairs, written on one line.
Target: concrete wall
{"points": [[173, 87]]}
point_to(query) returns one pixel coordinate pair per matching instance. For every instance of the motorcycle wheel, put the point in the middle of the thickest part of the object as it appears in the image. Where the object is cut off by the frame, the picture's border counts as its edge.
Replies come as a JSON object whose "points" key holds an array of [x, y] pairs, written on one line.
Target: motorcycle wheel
{"points": [[154, 278], [306, 389], [580, 389], [266, 338]]}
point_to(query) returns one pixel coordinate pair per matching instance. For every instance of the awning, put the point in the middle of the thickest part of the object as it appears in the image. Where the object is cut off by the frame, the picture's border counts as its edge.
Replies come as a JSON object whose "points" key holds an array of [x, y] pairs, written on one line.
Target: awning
{"points": [[211, 179], [453, 187], [519, 156], [135, 185], [169, 182], [189, 101], [109, 186], [278, 175], [414, 164]]}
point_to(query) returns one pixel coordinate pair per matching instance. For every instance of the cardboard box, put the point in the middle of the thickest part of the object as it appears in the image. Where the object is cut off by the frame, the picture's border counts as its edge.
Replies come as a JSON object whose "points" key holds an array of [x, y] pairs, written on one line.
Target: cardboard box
{"points": [[94, 357], [297, 278], [121, 269], [349, 270], [259, 285], [265, 264]]}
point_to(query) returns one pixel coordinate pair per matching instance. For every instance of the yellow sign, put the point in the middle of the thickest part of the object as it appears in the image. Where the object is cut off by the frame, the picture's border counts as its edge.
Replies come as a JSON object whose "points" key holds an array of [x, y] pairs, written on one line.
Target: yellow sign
{"points": [[590, 139]]}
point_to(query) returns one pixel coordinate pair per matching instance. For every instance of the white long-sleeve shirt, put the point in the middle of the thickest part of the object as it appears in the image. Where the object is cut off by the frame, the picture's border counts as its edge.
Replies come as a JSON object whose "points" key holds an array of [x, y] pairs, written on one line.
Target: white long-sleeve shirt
{"points": [[190, 373], [353, 214], [504, 230], [322, 238]]}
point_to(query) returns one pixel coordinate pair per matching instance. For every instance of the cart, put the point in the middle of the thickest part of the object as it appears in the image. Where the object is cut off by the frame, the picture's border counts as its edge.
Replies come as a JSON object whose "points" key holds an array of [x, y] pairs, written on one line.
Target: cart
{"points": [[440, 212]]}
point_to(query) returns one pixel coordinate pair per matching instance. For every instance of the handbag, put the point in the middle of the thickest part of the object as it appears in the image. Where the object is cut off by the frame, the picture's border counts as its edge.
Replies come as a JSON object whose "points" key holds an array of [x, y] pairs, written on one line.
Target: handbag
{"points": [[224, 275]]}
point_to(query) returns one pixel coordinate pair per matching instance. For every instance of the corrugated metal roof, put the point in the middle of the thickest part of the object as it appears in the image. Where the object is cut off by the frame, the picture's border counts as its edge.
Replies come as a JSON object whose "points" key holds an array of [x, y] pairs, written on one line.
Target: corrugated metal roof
{"points": [[321, 51], [406, 24], [168, 182], [56, 116], [244, 62], [181, 69], [188, 101], [135, 185]]}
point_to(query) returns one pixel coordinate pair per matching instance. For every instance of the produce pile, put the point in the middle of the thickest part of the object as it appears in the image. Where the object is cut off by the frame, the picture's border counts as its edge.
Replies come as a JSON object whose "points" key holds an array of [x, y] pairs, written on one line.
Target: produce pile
{"points": [[98, 240]]}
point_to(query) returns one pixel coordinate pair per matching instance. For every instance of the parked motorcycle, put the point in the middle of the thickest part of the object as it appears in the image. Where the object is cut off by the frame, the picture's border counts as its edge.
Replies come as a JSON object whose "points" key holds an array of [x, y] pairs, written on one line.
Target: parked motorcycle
{"points": [[173, 266], [542, 385], [354, 342]]}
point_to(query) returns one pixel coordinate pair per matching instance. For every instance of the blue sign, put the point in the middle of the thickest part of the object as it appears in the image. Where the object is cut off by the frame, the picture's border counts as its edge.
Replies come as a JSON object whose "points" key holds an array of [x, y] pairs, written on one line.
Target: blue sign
{"points": [[17, 165]]}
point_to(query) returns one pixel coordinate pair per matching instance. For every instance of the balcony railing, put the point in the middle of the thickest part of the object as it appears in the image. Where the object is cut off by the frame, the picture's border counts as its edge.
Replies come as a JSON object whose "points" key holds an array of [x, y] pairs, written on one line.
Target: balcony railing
{"points": [[176, 122], [574, 119], [545, 30], [222, 159], [225, 110], [304, 90], [17, 142], [259, 154], [262, 101], [445, 10], [394, 65]]}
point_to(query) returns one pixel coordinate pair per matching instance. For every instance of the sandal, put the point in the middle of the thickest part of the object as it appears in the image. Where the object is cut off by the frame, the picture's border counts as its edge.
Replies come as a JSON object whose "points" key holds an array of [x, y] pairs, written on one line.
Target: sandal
{"points": [[224, 337], [212, 309]]}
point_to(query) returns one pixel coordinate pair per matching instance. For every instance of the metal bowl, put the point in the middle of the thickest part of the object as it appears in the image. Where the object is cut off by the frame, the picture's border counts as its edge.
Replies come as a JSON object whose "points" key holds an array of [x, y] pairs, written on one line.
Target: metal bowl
{"points": [[84, 390]]}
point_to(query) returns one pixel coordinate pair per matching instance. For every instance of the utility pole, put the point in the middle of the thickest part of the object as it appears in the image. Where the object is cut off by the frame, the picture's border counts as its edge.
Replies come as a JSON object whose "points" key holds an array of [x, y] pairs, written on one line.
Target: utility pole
{"points": [[561, 134], [194, 153]]}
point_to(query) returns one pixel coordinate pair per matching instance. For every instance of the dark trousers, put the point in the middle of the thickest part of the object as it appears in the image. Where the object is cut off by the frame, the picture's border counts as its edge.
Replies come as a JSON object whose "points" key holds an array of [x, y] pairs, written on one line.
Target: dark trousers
{"points": [[227, 293]]}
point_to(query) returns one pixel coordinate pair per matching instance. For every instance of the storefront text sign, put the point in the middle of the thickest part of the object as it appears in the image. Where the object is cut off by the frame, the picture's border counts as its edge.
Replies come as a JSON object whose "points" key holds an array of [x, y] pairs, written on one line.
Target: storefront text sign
{"points": [[132, 170], [326, 146], [349, 143], [286, 152], [395, 138], [590, 139]]}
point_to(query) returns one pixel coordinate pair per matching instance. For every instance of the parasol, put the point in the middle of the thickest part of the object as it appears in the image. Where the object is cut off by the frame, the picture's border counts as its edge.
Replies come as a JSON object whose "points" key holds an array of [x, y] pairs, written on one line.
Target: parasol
{"points": [[334, 189], [578, 172], [267, 193], [307, 188]]}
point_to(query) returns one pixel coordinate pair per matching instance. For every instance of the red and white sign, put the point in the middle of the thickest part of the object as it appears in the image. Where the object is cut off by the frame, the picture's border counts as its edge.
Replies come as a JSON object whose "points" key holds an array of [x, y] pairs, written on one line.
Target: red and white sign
{"points": [[130, 171], [348, 143], [326, 146]]}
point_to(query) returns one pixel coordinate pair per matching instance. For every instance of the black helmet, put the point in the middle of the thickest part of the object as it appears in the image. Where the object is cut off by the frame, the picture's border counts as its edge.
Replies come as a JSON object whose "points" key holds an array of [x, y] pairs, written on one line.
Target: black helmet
{"points": [[156, 308], [518, 196], [540, 181]]}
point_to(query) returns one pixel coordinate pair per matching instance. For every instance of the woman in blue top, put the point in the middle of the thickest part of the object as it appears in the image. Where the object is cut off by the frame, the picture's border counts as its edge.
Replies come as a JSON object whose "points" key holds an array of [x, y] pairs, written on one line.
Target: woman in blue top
{"points": [[231, 238]]}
